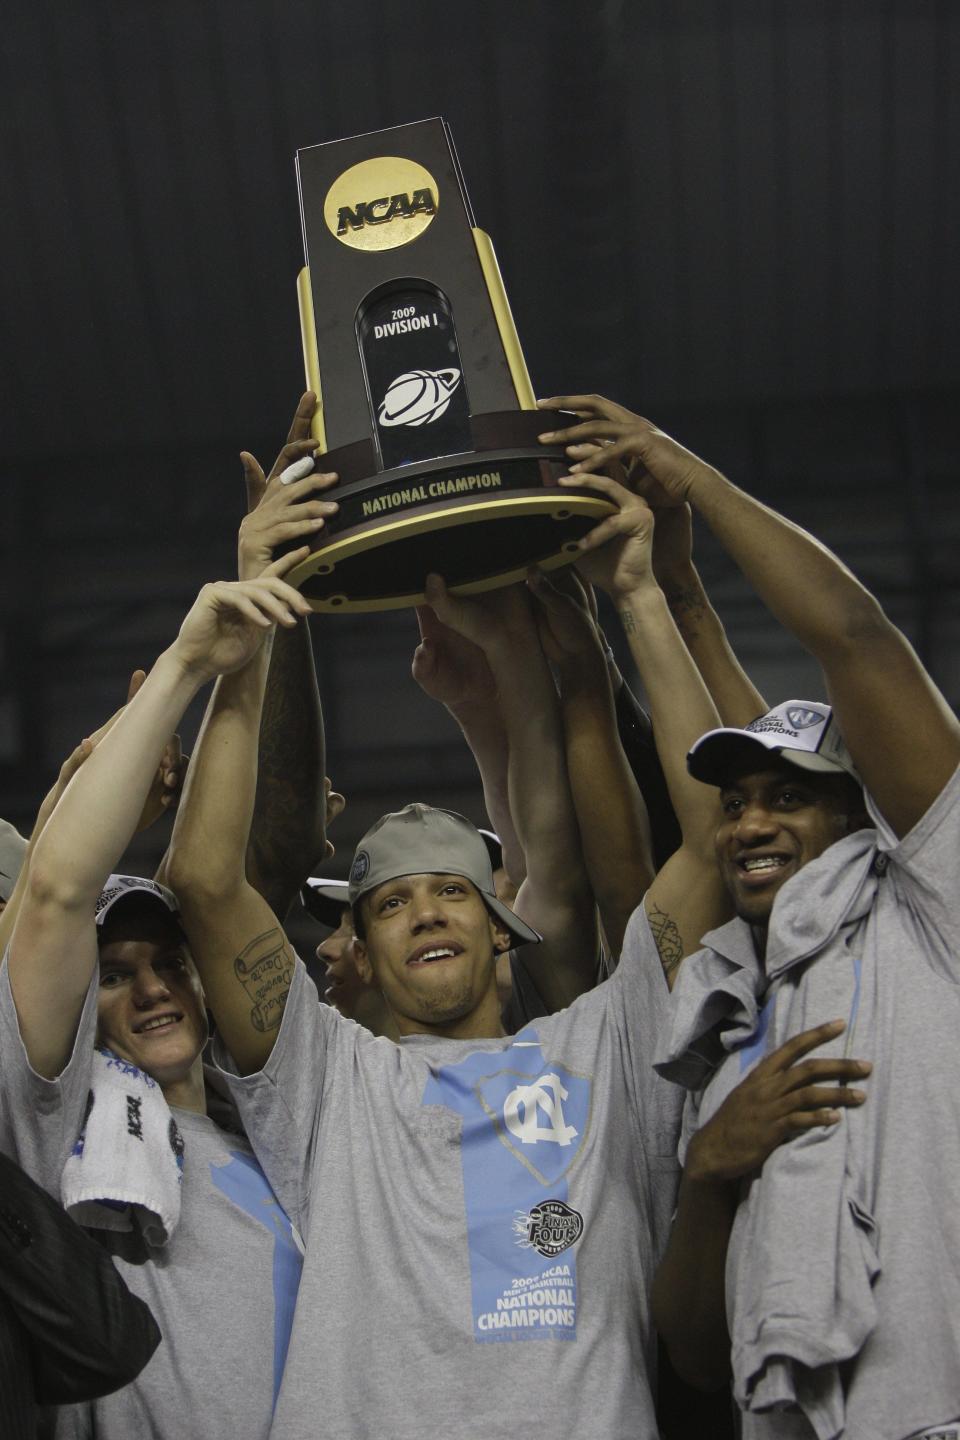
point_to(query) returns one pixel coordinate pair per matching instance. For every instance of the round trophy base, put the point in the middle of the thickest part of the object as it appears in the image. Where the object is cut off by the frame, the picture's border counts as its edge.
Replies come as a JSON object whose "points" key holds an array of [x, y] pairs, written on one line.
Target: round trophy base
{"points": [[479, 519], [475, 547]]}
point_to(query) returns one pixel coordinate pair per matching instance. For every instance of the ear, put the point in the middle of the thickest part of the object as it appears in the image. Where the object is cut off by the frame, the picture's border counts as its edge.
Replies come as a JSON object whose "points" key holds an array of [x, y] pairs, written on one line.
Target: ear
{"points": [[502, 939], [358, 953]]}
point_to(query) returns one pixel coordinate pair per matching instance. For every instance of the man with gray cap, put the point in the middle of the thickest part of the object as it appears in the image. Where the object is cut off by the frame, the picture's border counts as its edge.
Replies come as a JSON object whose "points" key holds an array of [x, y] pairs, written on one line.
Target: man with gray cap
{"points": [[819, 1224], [463, 1194]]}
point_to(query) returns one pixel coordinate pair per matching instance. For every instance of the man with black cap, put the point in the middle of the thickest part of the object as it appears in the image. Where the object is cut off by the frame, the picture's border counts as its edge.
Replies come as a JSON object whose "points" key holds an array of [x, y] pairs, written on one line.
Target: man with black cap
{"points": [[819, 1224], [102, 1029]]}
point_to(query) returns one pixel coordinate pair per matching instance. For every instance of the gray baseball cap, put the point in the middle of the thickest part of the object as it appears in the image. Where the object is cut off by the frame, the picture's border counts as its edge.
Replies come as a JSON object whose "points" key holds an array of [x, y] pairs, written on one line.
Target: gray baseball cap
{"points": [[13, 847], [119, 887], [421, 840], [802, 732]]}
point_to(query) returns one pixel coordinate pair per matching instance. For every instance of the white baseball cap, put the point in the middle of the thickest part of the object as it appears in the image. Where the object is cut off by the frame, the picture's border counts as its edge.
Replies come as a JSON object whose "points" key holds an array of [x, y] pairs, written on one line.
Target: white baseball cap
{"points": [[803, 732]]}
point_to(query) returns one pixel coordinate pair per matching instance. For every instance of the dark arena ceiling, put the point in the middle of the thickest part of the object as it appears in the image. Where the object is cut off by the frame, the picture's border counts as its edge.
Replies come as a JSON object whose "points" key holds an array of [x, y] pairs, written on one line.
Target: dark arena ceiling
{"points": [[740, 218]]}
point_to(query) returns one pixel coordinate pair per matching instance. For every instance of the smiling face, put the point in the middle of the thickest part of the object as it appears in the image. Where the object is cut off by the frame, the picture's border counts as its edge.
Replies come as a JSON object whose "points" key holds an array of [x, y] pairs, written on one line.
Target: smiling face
{"points": [[775, 821], [431, 944], [150, 1006]]}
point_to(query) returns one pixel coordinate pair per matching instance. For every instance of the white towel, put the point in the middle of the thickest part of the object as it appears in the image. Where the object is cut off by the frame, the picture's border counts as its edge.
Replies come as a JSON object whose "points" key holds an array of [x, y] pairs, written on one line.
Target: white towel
{"points": [[126, 1169]]}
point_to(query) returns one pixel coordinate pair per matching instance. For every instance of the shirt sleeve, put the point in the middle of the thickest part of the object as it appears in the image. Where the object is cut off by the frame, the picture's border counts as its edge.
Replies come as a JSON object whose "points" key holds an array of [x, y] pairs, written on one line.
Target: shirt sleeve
{"points": [[642, 997], [923, 869], [280, 1104], [42, 1118]]}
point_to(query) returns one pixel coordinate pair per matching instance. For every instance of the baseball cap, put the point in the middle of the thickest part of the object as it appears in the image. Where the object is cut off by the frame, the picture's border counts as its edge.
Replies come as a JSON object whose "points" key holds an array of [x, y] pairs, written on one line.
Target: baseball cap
{"points": [[422, 840], [803, 732], [13, 847], [119, 887], [325, 899]]}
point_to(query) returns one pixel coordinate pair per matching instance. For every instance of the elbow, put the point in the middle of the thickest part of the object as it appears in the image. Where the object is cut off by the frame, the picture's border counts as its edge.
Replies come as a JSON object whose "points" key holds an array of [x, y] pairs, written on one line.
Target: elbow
{"points": [[53, 888], [198, 882]]}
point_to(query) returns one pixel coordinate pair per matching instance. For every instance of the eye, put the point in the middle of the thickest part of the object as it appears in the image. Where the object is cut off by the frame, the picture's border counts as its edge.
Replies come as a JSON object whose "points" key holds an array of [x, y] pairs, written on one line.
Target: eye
{"points": [[110, 979], [453, 887], [790, 798], [731, 805], [390, 902], [172, 962]]}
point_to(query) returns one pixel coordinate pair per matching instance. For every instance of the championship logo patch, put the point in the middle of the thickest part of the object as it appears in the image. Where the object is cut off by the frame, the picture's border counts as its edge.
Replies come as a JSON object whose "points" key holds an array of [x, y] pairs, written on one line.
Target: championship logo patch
{"points": [[359, 868], [802, 718], [550, 1228]]}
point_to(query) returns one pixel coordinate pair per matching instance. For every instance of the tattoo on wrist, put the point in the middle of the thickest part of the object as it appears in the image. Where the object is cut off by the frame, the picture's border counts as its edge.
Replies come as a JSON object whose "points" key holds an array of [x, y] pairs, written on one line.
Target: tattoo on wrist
{"points": [[627, 621], [666, 933], [265, 970]]}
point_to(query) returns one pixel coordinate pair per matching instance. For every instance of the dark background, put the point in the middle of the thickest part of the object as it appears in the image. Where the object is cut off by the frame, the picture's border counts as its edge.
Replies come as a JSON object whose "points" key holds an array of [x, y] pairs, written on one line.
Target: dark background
{"points": [[736, 216]]}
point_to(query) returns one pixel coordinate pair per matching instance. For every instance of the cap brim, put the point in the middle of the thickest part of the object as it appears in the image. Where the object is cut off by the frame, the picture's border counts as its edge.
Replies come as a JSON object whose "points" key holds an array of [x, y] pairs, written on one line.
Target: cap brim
{"points": [[326, 900], [124, 887], [522, 933], [723, 755]]}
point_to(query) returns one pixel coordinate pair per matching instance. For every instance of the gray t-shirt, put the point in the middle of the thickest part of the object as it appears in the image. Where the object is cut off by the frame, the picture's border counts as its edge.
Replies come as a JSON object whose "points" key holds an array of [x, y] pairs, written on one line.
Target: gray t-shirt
{"points": [[848, 1245], [222, 1289], [482, 1219]]}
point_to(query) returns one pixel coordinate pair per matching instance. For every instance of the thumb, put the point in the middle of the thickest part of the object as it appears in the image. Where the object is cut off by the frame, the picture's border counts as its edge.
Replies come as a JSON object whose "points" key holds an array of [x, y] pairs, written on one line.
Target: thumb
{"points": [[253, 478], [136, 680]]}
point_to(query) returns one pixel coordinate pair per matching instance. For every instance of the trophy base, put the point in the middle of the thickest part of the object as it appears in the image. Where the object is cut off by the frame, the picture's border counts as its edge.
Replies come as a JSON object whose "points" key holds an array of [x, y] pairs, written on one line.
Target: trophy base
{"points": [[478, 519]]}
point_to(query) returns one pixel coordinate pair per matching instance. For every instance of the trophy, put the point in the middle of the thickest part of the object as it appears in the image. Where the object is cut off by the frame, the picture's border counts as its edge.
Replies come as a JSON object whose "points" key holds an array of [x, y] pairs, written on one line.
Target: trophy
{"points": [[426, 411]]}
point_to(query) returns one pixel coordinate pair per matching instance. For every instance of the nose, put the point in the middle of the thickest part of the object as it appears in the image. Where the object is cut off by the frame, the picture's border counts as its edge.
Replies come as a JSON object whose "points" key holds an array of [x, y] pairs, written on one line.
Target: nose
{"points": [[149, 988], [328, 951], [755, 823], [425, 913]]}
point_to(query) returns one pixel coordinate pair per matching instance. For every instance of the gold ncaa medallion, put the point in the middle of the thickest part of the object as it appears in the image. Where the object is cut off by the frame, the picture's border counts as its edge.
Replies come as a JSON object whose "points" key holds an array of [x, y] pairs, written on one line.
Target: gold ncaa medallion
{"points": [[381, 203]]}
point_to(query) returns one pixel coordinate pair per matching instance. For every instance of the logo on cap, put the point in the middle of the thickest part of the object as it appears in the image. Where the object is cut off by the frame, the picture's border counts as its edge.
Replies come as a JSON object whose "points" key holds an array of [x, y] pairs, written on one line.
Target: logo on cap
{"points": [[802, 719], [359, 868]]}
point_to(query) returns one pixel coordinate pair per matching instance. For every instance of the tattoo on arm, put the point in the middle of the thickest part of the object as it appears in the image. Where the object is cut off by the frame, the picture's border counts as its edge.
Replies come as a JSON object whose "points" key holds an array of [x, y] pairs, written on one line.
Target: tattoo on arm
{"points": [[688, 608], [628, 622], [669, 941], [265, 970]]}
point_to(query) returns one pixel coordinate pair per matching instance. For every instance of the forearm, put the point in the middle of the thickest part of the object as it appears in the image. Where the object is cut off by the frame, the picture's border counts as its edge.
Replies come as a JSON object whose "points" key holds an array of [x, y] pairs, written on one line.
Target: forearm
{"points": [[99, 810], [680, 707], [289, 821], [806, 587], [209, 841], [484, 731], [537, 782], [689, 1305], [736, 697], [610, 810]]}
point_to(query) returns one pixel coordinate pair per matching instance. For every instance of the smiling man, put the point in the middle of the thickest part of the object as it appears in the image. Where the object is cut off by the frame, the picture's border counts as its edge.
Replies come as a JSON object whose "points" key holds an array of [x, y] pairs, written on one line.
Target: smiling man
{"points": [[102, 1029], [464, 1194], [813, 1213]]}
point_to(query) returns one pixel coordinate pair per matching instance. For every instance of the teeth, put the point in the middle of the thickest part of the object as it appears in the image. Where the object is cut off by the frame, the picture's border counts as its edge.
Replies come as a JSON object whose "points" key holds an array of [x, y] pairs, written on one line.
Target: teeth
{"points": [[159, 1022], [436, 955], [766, 862]]}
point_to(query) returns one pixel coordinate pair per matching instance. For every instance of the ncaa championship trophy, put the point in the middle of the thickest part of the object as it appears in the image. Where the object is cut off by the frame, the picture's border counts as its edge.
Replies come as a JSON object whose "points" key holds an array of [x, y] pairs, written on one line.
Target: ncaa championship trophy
{"points": [[426, 410]]}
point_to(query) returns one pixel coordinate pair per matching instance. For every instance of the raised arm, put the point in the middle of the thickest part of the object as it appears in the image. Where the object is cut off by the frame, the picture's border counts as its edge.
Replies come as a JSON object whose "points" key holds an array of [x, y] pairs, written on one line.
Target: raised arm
{"points": [[288, 834], [904, 739], [686, 898], [53, 949], [451, 669], [555, 897], [237, 941], [610, 810]]}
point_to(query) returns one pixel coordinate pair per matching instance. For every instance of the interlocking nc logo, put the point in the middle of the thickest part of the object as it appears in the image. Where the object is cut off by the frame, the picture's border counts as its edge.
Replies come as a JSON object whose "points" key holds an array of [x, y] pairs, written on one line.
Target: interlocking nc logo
{"points": [[524, 1105]]}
